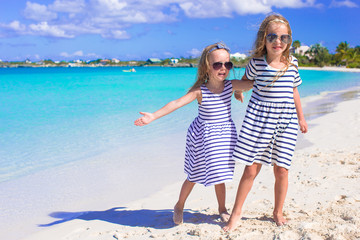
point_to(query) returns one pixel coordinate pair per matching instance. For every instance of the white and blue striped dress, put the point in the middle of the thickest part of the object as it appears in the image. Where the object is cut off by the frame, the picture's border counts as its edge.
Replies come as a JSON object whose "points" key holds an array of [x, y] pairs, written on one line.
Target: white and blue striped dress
{"points": [[269, 130], [211, 139]]}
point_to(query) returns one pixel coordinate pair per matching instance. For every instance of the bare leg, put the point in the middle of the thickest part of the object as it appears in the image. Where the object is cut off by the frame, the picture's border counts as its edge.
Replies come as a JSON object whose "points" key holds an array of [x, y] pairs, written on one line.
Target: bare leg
{"points": [[220, 191], [246, 182], [179, 206], [280, 189]]}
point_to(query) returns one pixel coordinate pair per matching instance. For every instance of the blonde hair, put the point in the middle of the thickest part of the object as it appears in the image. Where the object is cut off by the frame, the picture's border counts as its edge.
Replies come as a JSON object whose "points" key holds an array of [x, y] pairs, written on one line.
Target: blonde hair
{"points": [[204, 65], [259, 47], [260, 42]]}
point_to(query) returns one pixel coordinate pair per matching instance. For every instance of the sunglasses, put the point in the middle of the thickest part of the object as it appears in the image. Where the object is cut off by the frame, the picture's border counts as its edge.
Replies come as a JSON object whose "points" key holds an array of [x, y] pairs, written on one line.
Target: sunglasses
{"points": [[272, 37], [218, 65]]}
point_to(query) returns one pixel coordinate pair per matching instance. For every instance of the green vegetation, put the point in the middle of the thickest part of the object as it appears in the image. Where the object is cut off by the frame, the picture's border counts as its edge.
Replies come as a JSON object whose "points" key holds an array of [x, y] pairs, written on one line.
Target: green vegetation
{"points": [[240, 63], [296, 44], [315, 56], [319, 56], [348, 56]]}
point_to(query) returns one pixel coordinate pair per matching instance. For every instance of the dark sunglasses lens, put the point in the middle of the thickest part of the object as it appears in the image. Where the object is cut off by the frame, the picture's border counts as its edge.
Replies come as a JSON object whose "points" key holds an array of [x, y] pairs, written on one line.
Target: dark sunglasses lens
{"points": [[286, 39], [217, 65], [271, 37], [228, 65]]}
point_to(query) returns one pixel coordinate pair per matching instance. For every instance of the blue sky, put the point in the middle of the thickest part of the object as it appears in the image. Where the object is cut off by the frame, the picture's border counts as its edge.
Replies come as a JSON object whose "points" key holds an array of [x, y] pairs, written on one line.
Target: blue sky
{"points": [[140, 29]]}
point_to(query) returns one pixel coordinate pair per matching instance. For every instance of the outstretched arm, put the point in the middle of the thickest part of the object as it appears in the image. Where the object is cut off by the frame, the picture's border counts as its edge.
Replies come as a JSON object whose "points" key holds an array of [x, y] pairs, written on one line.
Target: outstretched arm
{"points": [[168, 108], [241, 86], [302, 122]]}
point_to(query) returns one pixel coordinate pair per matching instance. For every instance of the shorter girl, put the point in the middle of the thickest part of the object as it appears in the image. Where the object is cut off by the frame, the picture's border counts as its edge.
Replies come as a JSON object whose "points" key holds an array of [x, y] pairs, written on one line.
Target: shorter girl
{"points": [[211, 137], [269, 130]]}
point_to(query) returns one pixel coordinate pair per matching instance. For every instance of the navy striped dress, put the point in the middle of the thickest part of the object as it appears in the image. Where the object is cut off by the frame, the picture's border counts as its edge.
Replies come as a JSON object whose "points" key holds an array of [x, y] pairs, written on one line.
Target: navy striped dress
{"points": [[269, 130], [211, 139]]}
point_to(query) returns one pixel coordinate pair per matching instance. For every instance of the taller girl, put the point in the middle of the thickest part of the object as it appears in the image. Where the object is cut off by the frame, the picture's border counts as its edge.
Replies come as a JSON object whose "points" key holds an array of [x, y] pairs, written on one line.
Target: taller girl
{"points": [[269, 131]]}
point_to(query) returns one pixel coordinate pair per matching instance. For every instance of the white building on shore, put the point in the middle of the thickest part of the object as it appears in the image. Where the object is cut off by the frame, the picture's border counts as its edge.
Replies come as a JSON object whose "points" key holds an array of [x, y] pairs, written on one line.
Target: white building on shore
{"points": [[302, 50], [174, 60], [239, 56]]}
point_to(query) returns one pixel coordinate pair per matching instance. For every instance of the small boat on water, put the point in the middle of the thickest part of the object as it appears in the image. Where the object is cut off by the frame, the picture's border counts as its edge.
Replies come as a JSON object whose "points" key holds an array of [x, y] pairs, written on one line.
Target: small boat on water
{"points": [[129, 70]]}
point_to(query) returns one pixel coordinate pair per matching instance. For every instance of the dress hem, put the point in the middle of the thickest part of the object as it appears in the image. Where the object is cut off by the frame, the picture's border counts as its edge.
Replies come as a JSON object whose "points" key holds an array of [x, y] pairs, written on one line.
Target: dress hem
{"points": [[264, 163], [212, 184]]}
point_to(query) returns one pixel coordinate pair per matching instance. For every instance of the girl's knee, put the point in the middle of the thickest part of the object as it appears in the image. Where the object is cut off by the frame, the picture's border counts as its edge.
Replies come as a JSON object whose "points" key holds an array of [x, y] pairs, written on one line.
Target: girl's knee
{"points": [[188, 182], [219, 186], [280, 172], [251, 171]]}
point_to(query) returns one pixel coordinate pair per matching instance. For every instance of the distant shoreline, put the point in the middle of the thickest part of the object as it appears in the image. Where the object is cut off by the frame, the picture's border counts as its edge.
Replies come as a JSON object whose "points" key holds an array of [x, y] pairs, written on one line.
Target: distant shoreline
{"points": [[326, 68], [97, 65]]}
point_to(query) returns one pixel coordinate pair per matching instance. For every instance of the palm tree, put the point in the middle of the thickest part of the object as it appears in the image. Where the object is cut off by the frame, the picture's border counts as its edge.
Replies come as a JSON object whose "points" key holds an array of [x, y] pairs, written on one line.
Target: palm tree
{"points": [[357, 49], [343, 46], [296, 44], [319, 54], [342, 51], [352, 56]]}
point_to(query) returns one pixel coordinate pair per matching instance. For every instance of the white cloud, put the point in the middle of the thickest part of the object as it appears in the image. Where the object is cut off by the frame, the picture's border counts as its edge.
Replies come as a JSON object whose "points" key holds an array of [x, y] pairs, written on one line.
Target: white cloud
{"points": [[200, 9], [78, 54], [194, 52], [227, 8], [293, 3], [131, 12], [116, 34], [17, 26], [168, 54], [346, 3], [110, 5], [44, 29], [134, 17], [250, 7], [111, 18], [38, 12], [75, 54], [69, 6]]}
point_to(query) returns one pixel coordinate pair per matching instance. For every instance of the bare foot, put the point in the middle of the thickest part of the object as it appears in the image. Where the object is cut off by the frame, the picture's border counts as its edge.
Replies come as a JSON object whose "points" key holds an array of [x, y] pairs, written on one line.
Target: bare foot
{"points": [[279, 219], [178, 215], [232, 223], [225, 216]]}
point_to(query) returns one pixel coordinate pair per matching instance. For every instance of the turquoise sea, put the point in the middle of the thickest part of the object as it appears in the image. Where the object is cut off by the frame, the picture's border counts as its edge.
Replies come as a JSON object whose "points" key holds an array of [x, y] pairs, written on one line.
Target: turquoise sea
{"points": [[53, 116]]}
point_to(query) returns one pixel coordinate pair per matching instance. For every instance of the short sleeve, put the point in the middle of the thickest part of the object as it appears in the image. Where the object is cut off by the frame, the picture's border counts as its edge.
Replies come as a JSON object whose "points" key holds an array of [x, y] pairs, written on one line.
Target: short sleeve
{"points": [[297, 79], [250, 71]]}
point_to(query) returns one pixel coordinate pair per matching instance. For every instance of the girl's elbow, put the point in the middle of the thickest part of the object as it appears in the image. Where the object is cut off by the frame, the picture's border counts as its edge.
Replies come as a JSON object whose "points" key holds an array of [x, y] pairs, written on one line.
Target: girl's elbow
{"points": [[248, 85], [175, 104]]}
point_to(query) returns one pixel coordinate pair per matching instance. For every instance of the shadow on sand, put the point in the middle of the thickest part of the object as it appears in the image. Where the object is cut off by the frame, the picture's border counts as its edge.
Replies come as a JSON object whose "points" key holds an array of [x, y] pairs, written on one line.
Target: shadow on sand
{"points": [[159, 219]]}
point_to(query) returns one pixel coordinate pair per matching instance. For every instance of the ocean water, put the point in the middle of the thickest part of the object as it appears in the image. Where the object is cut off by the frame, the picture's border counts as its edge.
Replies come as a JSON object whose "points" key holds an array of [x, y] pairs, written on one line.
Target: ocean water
{"points": [[53, 116]]}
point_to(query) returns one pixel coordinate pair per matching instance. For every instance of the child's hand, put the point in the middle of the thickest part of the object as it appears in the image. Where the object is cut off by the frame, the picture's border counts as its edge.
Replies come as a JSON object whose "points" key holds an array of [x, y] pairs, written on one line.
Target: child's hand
{"points": [[239, 96], [303, 126], [146, 119]]}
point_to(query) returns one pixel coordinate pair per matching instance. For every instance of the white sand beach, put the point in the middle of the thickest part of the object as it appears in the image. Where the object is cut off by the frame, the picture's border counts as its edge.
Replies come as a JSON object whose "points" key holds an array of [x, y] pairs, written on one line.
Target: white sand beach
{"points": [[323, 201], [328, 68]]}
